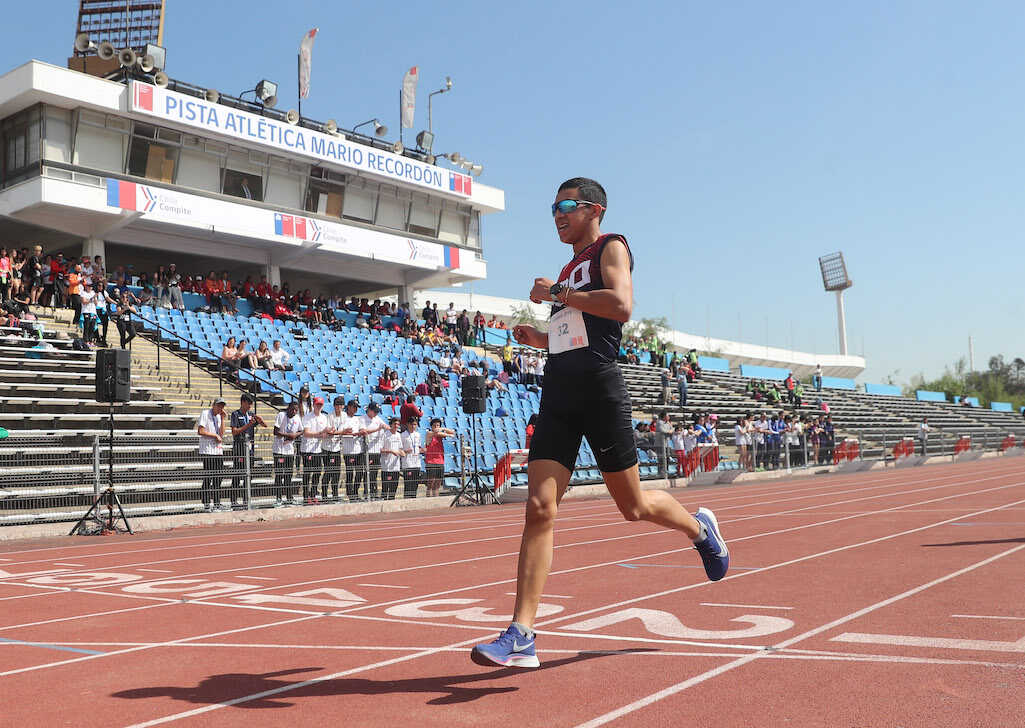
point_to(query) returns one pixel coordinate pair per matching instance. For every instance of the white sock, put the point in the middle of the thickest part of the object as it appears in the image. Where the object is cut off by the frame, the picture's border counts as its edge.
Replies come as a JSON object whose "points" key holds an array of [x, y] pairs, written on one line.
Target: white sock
{"points": [[702, 534], [524, 630]]}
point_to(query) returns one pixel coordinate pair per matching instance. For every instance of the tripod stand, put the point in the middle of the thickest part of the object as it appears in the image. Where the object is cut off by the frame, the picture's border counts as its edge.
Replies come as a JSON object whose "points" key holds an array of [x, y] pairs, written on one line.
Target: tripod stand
{"points": [[480, 494], [93, 522]]}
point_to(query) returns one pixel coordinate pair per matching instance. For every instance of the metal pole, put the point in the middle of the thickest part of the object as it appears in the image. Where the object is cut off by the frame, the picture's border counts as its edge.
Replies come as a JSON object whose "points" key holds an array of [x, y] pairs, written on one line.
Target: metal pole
{"points": [[96, 466], [188, 364], [249, 475], [158, 347], [787, 443], [366, 469], [841, 322], [299, 82]]}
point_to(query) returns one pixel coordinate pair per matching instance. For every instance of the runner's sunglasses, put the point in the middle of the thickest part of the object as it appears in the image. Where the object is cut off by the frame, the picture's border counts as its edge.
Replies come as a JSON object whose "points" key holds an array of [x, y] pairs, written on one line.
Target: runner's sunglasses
{"points": [[568, 206]]}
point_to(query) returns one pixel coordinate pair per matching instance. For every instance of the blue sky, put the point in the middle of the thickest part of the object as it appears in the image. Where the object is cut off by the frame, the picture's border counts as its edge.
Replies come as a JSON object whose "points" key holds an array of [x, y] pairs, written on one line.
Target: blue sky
{"points": [[737, 141]]}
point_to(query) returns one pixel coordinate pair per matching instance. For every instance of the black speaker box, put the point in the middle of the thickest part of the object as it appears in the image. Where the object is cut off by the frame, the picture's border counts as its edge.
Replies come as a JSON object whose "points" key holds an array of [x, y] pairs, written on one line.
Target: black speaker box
{"points": [[113, 375], [475, 394]]}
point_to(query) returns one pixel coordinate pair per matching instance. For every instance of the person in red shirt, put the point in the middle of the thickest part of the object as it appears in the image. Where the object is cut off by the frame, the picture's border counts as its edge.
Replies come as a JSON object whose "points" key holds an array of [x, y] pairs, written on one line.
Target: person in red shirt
{"points": [[435, 456], [212, 289], [409, 411], [384, 385], [263, 287], [248, 287]]}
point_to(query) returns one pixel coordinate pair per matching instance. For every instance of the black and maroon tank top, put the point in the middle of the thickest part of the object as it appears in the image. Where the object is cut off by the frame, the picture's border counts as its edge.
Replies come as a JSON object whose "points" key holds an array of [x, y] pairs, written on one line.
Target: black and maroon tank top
{"points": [[604, 335]]}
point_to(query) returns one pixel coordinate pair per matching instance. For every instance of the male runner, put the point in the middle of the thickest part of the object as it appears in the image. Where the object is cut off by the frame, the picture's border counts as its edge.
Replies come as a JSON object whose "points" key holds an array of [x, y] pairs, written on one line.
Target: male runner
{"points": [[584, 395]]}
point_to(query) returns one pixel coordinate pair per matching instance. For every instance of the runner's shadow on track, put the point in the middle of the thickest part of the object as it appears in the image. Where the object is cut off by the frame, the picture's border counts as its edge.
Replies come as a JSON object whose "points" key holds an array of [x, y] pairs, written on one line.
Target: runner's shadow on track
{"points": [[978, 543], [452, 688]]}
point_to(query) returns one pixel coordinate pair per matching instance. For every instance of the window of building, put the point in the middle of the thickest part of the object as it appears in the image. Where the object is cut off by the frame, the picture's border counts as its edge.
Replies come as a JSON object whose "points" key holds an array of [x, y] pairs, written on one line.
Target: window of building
{"points": [[57, 135], [325, 194], [153, 153], [20, 135], [424, 216], [360, 202], [392, 208], [100, 141], [242, 184]]}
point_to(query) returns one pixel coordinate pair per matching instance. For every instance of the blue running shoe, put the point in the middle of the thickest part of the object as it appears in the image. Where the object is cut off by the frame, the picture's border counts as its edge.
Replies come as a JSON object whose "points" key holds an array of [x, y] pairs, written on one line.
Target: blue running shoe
{"points": [[714, 553], [511, 649]]}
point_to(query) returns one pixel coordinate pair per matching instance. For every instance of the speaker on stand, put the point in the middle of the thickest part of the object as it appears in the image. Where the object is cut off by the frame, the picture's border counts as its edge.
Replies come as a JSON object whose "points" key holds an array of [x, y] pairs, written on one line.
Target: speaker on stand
{"points": [[475, 402], [113, 384]]}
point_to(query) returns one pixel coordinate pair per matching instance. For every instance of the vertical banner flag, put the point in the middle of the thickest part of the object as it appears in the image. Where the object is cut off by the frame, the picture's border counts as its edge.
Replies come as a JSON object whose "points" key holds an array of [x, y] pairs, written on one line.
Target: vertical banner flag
{"points": [[409, 97], [306, 62]]}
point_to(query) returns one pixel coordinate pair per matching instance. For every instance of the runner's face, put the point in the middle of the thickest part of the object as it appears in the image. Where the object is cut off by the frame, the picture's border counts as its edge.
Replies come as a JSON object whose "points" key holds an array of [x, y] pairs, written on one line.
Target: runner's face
{"points": [[574, 226]]}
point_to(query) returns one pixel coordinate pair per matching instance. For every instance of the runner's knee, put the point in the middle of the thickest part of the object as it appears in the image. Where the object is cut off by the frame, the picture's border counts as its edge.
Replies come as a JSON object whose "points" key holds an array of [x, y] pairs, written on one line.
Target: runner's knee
{"points": [[541, 510], [634, 511]]}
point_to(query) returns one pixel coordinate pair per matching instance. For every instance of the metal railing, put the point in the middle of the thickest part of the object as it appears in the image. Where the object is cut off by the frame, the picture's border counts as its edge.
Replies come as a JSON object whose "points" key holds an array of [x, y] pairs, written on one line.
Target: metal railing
{"points": [[58, 478], [222, 366]]}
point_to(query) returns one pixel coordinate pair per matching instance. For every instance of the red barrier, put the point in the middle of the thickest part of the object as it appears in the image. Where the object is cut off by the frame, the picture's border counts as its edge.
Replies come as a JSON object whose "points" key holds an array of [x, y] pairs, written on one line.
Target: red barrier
{"points": [[1008, 443], [904, 448], [963, 444], [840, 453], [709, 457]]}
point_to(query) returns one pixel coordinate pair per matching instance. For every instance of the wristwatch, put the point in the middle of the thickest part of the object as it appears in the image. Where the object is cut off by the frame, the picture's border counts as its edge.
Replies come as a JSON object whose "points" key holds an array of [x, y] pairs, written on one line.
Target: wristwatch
{"points": [[555, 290]]}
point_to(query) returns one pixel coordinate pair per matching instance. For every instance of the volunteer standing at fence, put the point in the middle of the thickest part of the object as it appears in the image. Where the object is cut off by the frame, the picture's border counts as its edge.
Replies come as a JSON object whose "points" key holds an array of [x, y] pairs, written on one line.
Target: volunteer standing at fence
{"points": [[331, 450], [211, 453], [374, 429], [287, 428], [243, 437], [352, 450], [412, 443], [585, 395], [314, 432]]}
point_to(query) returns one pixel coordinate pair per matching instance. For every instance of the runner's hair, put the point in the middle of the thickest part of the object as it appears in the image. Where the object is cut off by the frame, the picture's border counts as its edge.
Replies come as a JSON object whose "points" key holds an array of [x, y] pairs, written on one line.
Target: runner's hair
{"points": [[589, 191]]}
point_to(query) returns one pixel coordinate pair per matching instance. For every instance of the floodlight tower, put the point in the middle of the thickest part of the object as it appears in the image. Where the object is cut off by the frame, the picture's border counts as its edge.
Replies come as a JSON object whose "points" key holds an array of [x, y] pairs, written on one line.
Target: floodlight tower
{"points": [[834, 278]]}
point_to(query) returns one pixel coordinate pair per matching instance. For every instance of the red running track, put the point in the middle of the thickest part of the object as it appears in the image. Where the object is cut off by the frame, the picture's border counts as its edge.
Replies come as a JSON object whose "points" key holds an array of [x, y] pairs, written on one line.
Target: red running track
{"points": [[890, 598]]}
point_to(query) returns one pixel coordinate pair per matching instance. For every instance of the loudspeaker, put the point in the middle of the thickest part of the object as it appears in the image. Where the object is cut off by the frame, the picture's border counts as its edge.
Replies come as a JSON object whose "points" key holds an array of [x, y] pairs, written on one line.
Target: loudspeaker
{"points": [[105, 51], [160, 79], [475, 394], [213, 95], [146, 63], [292, 117], [113, 375], [127, 58]]}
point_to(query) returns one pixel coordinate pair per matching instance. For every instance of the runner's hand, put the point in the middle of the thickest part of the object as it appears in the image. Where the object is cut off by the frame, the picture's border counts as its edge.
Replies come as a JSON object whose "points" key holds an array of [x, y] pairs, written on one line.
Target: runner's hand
{"points": [[529, 336], [539, 293]]}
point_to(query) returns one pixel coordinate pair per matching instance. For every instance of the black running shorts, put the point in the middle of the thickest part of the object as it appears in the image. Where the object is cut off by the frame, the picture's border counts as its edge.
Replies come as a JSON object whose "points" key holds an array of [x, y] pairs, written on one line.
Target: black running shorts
{"points": [[594, 405]]}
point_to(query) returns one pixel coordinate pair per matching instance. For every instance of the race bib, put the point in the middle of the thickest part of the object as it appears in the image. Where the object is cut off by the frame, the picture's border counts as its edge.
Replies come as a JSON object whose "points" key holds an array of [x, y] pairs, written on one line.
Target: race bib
{"points": [[567, 331]]}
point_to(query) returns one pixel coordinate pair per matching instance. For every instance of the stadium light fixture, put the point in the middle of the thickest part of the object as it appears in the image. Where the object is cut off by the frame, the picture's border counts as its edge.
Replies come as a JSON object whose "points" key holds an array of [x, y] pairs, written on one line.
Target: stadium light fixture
{"points": [[158, 54], [430, 98], [379, 128], [835, 278], [267, 93]]}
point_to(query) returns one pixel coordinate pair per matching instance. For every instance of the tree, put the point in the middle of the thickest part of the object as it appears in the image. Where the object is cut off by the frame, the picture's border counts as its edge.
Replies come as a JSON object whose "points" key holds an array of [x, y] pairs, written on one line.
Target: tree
{"points": [[647, 327], [1001, 382], [524, 315]]}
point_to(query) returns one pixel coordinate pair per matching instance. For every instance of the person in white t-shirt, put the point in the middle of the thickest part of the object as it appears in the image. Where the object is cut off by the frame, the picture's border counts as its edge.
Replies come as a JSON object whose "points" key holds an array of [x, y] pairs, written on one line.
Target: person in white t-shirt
{"points": [[374, 429], [331, 450], [88, 296], [391, 459], [315, 429], [288, 426], [742, 438], [279, 356], [539, 375], [412, 444], [211, 451], [923, 434], [451, 317], [444, 362], [352, 449]]}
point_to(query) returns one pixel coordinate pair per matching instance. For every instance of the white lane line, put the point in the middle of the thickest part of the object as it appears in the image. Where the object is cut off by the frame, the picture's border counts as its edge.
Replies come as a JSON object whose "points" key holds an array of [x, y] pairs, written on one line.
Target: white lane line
{"points": [[742, 606], [987, 616], [261, 578], [152, 645], [941, 643], [830, 491], [714, 672], [466, 643], [81, 616], [632, 535], [77, 566], [386, 586]]}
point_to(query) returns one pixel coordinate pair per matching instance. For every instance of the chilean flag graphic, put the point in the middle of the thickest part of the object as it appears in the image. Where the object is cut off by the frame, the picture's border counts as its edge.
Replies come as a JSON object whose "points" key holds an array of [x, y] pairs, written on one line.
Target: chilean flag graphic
{"points": [[143, 96], [459, 183]]}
